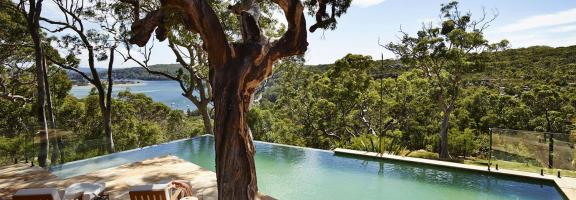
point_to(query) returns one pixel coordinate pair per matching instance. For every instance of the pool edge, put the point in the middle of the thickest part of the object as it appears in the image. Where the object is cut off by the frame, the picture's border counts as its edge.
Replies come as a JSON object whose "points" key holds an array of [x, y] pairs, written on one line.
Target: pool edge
{"points": [[282, 145], [126, 151], [568, 190]]}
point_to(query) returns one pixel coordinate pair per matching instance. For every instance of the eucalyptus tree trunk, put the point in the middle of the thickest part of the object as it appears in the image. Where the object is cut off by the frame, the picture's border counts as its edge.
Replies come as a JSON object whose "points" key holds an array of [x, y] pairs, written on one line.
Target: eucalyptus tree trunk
{"points": [[55, 139], [33, 17], [107, 108], [444, 127], [104, 98], [206, 119], [196, 81], [232, 99], [205, 93], [443, 153], [108, 130]]}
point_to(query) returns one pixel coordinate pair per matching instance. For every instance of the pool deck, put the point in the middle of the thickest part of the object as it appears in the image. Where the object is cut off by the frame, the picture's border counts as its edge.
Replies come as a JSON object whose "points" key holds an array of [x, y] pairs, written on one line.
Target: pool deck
{"points": [[118, 179], [566, 184], [22, 175]]}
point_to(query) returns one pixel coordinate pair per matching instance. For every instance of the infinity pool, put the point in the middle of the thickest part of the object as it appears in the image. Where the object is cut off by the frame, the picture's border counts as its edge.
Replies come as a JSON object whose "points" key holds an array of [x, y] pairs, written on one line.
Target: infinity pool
{"points": [[286, 172]]}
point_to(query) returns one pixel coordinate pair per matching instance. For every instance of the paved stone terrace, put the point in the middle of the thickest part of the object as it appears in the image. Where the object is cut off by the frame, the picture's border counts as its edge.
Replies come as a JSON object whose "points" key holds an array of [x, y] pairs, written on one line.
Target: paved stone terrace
{"points": [[14, 177], [118, 179], [566, 184]]}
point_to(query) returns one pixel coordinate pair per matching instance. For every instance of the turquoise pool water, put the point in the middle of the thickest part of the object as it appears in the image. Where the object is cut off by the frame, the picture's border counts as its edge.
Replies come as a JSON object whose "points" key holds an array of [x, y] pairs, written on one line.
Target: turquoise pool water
{"points": [[288, 172]]}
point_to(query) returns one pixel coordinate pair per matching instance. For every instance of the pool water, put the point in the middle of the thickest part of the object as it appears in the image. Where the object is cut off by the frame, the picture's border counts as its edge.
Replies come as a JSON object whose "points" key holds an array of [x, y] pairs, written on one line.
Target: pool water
{"points": [[286, 172]]}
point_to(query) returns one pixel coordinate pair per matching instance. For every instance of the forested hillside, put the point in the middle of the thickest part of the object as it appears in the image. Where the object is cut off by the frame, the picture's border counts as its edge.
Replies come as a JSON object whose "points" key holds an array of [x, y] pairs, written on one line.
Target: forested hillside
{"points": [[532, 66], [512, 67], [376, 105]]}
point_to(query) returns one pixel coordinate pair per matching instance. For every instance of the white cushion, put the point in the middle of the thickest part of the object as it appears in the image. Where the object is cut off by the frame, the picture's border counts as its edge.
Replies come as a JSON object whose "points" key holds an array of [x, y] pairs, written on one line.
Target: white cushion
{"points": [[152, 187], [39, 191], [90, 190]]}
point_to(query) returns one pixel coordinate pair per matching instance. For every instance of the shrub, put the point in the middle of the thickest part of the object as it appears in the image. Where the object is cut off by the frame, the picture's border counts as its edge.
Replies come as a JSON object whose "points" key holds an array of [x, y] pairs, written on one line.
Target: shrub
{"points": [[423, 154]]}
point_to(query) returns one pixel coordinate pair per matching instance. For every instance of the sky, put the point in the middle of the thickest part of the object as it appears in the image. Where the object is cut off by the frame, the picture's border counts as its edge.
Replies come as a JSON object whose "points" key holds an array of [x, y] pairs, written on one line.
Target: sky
{"points": [[523, 22]]}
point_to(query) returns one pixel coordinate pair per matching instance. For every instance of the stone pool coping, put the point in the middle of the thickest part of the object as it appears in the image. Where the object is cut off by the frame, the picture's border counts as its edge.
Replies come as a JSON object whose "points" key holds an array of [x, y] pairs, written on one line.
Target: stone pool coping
{"points": [[566, 185]]}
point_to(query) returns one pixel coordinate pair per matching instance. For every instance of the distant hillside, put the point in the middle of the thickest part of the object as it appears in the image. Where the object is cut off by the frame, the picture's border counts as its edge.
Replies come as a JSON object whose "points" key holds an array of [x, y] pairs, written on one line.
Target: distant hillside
{"points": [[532, 65], [519, 67], [130, 73], [522, 66]]}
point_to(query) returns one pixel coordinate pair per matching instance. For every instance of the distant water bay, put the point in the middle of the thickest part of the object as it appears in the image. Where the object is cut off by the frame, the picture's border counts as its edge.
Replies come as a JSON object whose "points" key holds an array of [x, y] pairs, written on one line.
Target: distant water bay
{"points": [[167, 92]]}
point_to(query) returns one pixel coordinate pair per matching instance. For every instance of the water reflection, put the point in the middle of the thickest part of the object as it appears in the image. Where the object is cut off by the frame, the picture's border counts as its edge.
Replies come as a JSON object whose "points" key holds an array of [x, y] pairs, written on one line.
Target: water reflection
{"points": [[469, 180]]}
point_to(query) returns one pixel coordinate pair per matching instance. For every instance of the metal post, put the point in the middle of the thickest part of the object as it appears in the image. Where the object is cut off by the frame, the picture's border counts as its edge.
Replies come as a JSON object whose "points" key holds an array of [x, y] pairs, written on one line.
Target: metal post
{"points": [[32, 159], [490, 150], [380, 93], [380, 135], [551, 151]]}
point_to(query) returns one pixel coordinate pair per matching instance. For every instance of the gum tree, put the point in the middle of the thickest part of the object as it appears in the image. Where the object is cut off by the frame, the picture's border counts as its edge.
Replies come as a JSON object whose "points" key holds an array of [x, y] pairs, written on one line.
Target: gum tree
{"points": [[78, 36], [446, 54], [237, 66], [32, 10]]}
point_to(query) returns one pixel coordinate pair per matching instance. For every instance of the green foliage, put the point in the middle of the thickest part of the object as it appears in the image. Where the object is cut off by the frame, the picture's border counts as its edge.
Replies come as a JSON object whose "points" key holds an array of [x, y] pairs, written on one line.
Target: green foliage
{"points": [[137, 122], [14, 148], [322, 106], [15, 41], [390, 144], [423, 154], [463, 142], [446, 54]]}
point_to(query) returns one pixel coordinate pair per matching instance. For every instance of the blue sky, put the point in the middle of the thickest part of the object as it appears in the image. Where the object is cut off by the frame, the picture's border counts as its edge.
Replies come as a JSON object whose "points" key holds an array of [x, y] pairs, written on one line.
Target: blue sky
{"points": [[523, 22]]}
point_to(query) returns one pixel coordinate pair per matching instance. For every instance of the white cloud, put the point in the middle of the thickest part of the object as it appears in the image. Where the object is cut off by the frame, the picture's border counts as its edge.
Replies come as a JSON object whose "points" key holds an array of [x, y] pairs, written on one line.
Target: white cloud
{"points": [[520, 39], [563, 29], [366, 3], [541, 21]]}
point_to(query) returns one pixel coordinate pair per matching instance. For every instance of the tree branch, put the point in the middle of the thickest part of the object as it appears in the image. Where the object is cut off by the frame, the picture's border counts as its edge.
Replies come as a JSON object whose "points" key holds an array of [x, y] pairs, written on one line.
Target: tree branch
{"points": [[62, 65], [294, 41], [199, 18], [14, 98], [110, 78]]}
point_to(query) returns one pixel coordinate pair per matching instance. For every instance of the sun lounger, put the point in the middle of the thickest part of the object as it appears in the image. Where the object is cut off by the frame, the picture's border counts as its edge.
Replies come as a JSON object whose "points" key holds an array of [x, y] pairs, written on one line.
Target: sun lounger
{"points": [[77, 191], [169, 191], [37, 194], [154, 191]]}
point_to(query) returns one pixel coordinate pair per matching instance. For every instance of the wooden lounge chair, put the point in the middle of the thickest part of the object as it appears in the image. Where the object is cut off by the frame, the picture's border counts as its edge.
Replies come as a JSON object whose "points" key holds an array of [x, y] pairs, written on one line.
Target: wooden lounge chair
{"points": [[77, 191], [150, 192], [38, 194]]}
